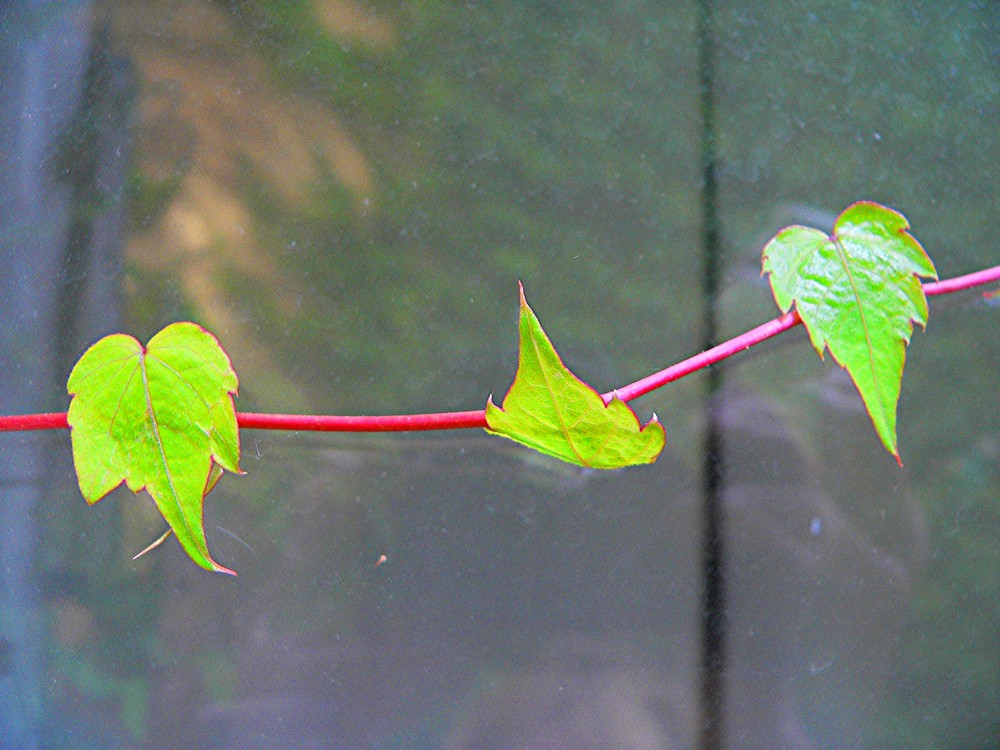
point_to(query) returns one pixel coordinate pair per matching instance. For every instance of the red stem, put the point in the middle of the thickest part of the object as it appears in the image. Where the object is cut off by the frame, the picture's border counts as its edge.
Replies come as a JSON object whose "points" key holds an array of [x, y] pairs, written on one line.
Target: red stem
{"points": [[706, 358], [33, 422], [461, 419], [959, 283], [385, 423]]}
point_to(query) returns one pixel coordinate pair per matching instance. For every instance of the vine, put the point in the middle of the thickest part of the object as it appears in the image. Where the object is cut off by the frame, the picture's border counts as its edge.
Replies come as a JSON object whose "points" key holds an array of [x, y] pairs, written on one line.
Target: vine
{"points": [[161, 417]]}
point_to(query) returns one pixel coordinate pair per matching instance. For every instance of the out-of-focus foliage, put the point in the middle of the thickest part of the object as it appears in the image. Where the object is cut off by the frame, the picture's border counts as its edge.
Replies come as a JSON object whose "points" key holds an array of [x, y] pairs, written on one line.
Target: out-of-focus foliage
{"points": [[445, 150]]}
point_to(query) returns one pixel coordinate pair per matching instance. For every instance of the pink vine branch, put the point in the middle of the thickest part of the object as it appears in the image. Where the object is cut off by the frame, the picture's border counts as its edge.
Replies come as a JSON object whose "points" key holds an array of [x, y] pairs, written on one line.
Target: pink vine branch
{"points": [[960, 283], [462, 419], [387, 423], [706, 358], [33, 422]]}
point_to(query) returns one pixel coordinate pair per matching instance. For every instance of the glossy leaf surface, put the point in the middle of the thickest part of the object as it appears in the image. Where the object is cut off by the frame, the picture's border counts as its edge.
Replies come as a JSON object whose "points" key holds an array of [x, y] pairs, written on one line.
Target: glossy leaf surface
{"points": [[551, 410], [159, 417], [858, 293]]}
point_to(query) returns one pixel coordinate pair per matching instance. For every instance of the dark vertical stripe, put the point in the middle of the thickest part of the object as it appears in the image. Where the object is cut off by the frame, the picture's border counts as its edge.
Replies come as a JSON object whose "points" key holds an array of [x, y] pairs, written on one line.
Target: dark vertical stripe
{"points": [[713, 619]]}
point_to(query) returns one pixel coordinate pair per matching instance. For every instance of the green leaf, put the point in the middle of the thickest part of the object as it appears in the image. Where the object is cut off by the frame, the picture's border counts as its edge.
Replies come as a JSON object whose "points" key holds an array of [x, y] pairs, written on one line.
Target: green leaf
{"points": [[160, 418], [858, 294], [551, 410]]}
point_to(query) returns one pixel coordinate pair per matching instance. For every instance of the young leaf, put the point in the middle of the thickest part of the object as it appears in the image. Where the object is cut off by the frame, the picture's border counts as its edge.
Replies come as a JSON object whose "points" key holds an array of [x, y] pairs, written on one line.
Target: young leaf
{"points": [[549, 409], [160, 418], [858, 294]]}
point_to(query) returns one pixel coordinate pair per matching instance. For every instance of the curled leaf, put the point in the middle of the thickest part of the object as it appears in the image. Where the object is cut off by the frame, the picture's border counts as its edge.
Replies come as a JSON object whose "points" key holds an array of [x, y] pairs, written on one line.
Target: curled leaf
{"points": [[551, 410]]}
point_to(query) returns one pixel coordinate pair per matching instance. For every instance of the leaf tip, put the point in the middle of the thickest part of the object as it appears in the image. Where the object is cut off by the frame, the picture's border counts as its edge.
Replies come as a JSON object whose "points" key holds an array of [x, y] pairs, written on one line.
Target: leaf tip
{"points": [[207, 562]]}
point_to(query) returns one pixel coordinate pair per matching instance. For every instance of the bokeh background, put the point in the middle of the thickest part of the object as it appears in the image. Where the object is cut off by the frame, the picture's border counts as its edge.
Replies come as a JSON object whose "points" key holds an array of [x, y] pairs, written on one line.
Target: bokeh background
{"points": [[346, 193]]}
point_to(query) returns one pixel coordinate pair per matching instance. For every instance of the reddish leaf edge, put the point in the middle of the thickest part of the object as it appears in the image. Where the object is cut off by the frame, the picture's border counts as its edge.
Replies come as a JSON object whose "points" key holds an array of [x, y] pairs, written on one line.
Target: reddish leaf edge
{"points": [[477, 418]]}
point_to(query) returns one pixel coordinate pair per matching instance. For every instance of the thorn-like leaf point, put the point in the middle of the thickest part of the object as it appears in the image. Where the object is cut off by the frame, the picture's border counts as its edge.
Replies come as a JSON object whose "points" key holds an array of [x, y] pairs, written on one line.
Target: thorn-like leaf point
{"points": [[149, 548], [551, 410], [159, 418], [858, 293]]}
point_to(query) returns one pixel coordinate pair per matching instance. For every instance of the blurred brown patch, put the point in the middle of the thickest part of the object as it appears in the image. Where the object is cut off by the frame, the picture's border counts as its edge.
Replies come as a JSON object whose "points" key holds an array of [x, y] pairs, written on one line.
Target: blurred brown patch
{"points": [[352, 21], [210, 114]]}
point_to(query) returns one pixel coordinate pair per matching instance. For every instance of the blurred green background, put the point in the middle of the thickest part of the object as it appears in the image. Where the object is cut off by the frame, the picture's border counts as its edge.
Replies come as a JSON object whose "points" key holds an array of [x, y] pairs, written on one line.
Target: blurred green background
{"points": [[346, 193]]}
